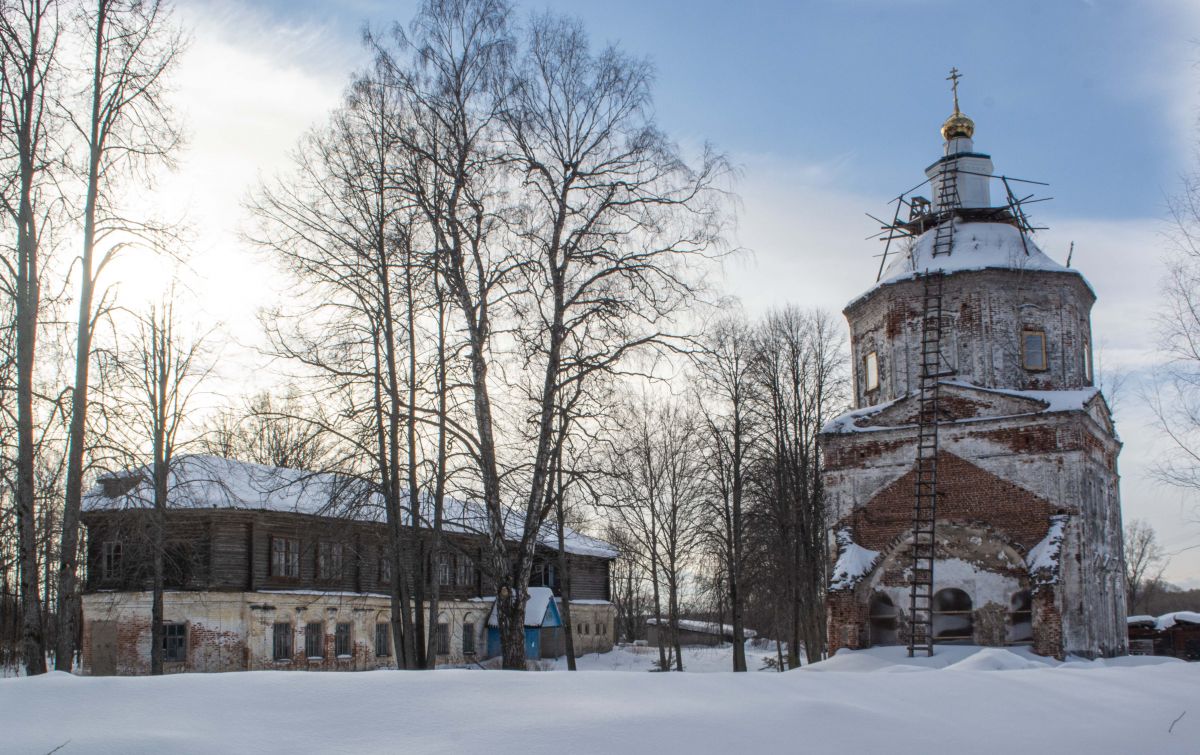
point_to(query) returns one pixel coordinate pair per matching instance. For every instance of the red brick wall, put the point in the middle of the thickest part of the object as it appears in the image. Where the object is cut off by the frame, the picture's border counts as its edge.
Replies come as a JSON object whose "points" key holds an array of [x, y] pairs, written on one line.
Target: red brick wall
{"points": [[966, 495]]}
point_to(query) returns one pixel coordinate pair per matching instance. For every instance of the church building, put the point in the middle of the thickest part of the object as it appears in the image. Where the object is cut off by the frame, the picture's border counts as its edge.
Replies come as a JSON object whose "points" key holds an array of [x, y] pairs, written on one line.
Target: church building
{"points": [[972, 491]]}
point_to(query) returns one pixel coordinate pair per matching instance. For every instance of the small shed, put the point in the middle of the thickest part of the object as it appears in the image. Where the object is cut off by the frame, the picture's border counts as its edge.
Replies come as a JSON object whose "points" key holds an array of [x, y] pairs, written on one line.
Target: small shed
{"points": [[692, 632], [543, 627], [1175, 634]]}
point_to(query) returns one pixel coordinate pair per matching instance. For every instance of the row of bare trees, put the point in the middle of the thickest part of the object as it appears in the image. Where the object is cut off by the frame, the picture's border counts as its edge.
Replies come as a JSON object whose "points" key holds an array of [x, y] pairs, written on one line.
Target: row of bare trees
{"points": [[715, 494], [83, 121], [488, 232]]}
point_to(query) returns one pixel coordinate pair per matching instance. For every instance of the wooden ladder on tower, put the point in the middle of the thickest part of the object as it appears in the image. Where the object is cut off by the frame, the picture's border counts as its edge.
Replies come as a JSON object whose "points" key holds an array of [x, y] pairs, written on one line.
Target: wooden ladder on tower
{"points": [[920, 606]]}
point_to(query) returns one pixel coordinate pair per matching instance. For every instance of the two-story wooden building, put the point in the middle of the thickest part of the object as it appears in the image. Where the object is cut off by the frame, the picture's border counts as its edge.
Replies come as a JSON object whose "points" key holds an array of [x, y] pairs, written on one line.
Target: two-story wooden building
{"points": [[283, 569]]}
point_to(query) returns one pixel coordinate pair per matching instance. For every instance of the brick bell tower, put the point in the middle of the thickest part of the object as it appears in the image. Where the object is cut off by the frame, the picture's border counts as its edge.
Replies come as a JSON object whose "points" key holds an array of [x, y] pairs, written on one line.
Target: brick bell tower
{"points": [[973, 491]]}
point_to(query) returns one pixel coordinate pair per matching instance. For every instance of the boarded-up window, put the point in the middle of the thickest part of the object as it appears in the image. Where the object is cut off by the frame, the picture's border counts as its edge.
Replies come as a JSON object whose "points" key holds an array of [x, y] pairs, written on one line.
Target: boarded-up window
{"points": [[314, 639], [883, 615], [174, 643], [952, 617], [383, 643], [468, 630], [281, 646], [1033, 349], [1020, 617], [285, 557], [342, 646], [443, 638], [110, 559], [330, 558], [871, 371]]}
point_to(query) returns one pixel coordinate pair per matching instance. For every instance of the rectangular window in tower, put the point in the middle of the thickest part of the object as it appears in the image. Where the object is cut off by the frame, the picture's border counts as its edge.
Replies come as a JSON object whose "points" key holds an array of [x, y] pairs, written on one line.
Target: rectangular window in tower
{"points": [[1033, 350], [871, 371]]}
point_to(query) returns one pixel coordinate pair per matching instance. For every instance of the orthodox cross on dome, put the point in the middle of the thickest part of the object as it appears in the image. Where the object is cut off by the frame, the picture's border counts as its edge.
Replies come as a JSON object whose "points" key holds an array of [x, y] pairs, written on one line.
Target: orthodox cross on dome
{"points": [[957, 125], [953, 79]]}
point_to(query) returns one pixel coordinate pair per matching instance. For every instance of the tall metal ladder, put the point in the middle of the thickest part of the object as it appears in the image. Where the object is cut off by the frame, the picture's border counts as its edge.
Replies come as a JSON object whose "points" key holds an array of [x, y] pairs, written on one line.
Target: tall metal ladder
{"points": [[920, 606]]}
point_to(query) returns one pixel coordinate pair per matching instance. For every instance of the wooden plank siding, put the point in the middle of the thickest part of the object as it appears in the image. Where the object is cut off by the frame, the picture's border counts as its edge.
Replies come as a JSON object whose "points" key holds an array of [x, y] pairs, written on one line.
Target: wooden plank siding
{"points": [[230, 550]]}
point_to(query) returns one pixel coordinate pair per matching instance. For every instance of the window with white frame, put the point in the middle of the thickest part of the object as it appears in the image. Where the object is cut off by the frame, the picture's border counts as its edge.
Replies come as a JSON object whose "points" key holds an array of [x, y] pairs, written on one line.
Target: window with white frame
{"points": [[445, 569], [110, 559], [330, 560], [871, 371], [464, 571], [285, 557]]}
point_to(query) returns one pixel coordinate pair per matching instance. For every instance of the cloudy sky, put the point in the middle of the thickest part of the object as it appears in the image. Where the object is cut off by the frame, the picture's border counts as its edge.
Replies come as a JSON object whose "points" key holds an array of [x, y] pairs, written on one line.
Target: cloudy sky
{"points": [[829, 110]]}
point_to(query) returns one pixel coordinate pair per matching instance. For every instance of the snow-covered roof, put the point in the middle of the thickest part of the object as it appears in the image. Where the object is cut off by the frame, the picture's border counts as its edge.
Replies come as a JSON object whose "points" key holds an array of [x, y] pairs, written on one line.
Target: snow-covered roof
{"points": [[1051, 401], [1042, 559], [705, 627], [853, 563], [1055, 401], [200, 481], [1166, 621], [536, 608], [977, 246]]}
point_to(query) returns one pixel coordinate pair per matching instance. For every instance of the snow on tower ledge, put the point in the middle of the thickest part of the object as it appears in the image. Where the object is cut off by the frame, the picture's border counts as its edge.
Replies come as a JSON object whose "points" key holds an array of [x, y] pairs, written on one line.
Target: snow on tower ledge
{"points": [[977, 246]]}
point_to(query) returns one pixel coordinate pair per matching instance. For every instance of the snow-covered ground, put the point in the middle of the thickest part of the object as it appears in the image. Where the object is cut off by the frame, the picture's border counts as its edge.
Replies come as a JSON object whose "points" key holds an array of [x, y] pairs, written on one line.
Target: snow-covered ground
{"points": [[963, 700]]}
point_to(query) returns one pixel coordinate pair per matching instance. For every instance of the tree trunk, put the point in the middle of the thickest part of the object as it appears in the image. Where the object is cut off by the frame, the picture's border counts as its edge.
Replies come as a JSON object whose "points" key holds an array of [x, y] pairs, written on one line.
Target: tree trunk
{"points": [[68, 592], [33, 646], [564, 575]]}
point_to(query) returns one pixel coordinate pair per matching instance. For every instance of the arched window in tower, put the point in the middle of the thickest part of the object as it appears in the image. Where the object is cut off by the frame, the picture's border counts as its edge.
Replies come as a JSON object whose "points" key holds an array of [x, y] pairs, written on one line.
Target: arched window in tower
{"points": [[952, 619], [871, 371], [1033, 349], [1020, 617], [883, 616], [1087, 362]]}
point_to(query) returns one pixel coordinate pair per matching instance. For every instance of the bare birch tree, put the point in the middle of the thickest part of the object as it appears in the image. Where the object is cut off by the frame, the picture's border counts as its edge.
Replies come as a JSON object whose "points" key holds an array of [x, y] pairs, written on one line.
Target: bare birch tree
{"points": [[127, 130], [725, 383], [800, 381], [29, 33], [161, 370], [561, 220]]}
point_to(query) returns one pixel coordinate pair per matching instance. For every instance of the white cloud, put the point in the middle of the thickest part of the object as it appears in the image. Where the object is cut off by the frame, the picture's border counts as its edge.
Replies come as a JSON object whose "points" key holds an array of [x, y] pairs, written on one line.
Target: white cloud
{"points": [[244, 105]]}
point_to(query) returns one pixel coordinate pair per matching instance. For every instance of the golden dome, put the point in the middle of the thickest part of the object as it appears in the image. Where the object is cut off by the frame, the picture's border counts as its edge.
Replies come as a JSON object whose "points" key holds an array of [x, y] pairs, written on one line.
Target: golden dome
{"points": [[958, 125]]}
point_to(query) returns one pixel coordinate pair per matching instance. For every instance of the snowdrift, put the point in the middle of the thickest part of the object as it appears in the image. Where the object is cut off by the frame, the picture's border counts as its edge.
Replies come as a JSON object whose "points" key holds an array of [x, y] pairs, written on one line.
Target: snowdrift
{"points": [[996, 701]]}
